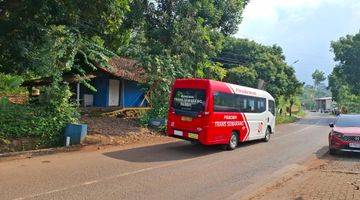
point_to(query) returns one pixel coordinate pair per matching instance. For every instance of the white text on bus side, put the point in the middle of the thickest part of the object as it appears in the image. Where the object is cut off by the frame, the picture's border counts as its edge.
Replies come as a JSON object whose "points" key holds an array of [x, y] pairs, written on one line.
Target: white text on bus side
{"points": [[230, 117], [228, 123]]}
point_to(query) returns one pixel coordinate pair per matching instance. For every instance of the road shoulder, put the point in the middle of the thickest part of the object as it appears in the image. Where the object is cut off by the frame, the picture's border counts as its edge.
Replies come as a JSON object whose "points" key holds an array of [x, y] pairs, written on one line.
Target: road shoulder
{"points": [[325, 177]]}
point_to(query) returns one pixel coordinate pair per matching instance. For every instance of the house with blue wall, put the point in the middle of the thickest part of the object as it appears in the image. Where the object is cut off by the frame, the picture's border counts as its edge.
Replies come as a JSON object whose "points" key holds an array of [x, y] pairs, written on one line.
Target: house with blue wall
{"points": [[117, 85]]}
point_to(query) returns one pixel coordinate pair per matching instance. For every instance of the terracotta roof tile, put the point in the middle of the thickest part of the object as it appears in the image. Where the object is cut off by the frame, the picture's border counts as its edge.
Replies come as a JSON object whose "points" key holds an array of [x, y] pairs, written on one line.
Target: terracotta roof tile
{"points": [[125, 68]]}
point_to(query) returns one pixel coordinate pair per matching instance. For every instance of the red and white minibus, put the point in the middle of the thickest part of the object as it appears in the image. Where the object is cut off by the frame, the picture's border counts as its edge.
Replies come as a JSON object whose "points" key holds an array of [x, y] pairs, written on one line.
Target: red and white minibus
{"points": [[214, 112]]}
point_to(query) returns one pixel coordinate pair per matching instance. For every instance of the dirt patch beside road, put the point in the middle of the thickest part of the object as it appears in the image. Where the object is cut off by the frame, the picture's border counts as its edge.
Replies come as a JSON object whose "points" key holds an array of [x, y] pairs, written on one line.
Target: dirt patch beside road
{"points": [[327, 177], [106, 130], [112, 125]]}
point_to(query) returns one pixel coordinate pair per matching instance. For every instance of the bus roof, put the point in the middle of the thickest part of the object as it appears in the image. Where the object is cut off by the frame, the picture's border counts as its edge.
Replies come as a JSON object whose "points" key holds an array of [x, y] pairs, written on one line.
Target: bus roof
{"points": [[237, 89]]}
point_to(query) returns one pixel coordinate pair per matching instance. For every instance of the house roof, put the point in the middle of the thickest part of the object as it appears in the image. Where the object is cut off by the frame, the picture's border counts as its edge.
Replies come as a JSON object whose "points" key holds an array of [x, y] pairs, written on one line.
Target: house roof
{"points": [[323, 98], [125, 68]]}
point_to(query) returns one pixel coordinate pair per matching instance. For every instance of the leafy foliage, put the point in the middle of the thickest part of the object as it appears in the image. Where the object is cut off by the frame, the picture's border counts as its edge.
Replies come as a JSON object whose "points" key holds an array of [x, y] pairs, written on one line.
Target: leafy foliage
{"points": [[211, 70], [10, 84], [347, 53], [177, 39], [242, 76], [45, 121], [349, 101], [45, 39], [318, 77], [308, 97], [344, 79], [249, 62]]}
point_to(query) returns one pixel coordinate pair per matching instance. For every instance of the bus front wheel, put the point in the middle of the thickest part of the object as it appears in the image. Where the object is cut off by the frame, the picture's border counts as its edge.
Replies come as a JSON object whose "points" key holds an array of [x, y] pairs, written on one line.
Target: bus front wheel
{"points": [[267, 135]]}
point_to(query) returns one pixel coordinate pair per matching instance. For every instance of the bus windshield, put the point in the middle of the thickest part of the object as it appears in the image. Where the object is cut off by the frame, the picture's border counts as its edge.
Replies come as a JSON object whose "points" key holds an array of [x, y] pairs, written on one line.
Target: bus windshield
{"points": [[192, 100]]}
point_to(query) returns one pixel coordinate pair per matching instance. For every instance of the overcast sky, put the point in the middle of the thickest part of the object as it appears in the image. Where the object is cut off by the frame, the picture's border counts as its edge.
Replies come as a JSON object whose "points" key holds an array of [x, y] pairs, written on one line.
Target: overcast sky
{"points": [[303, 28]]}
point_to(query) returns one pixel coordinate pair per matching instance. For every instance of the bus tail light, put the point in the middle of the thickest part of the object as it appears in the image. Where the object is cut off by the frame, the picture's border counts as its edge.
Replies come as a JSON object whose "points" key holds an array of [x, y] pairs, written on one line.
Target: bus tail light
{"points": [[172, 110]]}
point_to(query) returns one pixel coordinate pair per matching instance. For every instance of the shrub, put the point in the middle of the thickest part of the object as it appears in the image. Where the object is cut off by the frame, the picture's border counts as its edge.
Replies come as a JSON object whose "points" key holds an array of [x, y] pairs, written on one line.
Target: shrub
{"points": [[10, 84], [44, 120]]}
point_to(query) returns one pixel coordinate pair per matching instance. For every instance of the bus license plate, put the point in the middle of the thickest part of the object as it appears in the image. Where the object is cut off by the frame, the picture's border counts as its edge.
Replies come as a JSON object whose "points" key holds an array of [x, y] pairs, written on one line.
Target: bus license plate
{"points": [[354, 145], [178, 133], [193, 136], [187, 119]]}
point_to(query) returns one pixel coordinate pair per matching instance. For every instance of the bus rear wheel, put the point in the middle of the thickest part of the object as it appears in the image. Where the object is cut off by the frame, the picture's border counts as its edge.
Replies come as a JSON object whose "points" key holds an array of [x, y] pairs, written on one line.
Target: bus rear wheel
{"points": [[233, 143]]}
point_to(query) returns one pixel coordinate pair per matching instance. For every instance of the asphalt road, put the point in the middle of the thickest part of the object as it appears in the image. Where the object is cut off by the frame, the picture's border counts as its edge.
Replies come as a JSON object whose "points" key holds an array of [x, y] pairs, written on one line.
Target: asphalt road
{"points": [[176, 170]]}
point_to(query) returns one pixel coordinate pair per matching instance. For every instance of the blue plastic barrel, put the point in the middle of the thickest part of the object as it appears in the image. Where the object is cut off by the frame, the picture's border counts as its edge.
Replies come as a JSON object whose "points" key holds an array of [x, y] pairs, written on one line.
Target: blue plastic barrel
{"points": [[76, 132]]}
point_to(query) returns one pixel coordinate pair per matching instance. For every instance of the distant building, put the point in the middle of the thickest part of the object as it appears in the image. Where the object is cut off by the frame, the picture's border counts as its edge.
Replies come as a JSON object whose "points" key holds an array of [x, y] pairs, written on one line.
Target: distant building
{"points": [[324, 104]]}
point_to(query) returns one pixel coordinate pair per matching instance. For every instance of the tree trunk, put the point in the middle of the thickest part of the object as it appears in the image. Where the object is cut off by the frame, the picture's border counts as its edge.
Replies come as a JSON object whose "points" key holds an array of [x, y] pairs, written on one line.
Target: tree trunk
{"points": [[290, 108]]}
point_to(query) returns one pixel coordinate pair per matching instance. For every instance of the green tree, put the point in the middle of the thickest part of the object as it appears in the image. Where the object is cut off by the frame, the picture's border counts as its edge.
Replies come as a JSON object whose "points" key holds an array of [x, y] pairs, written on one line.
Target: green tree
{"points": [[318, 77], [211, 70], [258, 62], [293, 88], [184, 34], [307, 97], [43, 39], [336, 82], [242, 76], [191, 31], [343, 81], [347, 54]]}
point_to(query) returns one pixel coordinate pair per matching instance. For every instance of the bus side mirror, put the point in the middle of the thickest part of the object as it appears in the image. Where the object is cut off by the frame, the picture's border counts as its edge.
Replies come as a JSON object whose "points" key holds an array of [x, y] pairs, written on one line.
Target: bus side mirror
{"points": [[331, 125]]}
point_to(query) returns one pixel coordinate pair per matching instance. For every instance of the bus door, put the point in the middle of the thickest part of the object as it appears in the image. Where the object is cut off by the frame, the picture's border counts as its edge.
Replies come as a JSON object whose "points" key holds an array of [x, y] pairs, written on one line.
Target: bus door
{"points": [[271, 115], [256, 116]]}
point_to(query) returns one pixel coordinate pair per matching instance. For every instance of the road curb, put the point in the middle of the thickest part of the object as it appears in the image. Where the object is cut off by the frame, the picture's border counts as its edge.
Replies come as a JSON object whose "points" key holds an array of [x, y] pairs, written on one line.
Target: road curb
{"points": [[39, 152]]}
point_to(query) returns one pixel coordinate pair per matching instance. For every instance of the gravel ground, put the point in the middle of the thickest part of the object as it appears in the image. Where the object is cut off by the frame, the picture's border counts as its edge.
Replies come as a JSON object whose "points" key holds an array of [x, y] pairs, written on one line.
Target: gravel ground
{"points": [[117, 131], [112, 125]]}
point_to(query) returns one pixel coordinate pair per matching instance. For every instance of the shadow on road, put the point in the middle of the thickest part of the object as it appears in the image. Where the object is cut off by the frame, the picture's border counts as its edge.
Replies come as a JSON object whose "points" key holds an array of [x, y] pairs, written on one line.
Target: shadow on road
{"points": [[323, 153], [170, 151], [348, 156], [163, 152]]}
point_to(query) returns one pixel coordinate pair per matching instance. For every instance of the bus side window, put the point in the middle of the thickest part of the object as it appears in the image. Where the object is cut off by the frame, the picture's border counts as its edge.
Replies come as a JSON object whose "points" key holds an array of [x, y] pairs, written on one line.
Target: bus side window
{"points": [[261, 105]]}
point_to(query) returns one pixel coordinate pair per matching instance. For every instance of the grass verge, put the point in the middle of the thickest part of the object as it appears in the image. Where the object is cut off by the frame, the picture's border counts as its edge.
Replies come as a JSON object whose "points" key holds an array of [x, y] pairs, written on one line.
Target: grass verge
{"points": [[285, 119]]}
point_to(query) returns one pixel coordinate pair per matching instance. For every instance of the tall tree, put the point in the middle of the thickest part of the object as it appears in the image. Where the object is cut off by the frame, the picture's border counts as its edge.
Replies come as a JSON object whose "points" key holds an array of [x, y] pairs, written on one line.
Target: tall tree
{"points": [[347, 54], [44, 38], [343, 81], [190, 31], [318, 77], [248, 62], [175, 39]]}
